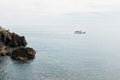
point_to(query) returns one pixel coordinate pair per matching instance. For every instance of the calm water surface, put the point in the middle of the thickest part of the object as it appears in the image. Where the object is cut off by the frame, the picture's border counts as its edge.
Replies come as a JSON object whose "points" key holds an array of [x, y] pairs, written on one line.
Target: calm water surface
{"points": [[67, 56]]}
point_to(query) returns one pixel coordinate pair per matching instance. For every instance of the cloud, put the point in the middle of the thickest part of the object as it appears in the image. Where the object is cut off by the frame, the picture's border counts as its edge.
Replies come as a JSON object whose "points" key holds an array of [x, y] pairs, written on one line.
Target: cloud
{"points": [[28, 11], [59, 6]]}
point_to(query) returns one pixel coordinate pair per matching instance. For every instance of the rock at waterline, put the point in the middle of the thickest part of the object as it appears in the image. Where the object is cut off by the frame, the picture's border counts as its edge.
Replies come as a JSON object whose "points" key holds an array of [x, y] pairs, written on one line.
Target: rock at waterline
{"points": [[79, 32], [22, 53], [13, 45]]}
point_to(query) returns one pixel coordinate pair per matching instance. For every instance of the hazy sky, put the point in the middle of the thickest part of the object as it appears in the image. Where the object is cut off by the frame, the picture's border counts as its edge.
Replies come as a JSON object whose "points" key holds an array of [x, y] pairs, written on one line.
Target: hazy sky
{"points": [[59, 12]]}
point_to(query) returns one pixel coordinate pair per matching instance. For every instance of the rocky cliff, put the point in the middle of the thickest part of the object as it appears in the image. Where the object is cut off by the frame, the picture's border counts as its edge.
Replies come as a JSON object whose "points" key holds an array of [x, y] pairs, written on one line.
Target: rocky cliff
{"points": [[14, 45]]}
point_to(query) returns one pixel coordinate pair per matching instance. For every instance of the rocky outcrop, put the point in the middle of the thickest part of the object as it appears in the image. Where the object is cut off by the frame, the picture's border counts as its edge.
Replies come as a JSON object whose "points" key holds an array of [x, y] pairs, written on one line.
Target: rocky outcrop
{"points": [[79, 32], [23, 53], [11, 39], [5, 50], [13, 45]]}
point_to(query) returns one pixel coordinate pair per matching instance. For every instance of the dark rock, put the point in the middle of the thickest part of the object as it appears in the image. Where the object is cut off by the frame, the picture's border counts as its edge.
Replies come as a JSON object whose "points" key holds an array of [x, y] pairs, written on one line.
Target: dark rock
{"points": [[11, 39], [23, 53], [5, 50], [79, 32], [15, 46]]}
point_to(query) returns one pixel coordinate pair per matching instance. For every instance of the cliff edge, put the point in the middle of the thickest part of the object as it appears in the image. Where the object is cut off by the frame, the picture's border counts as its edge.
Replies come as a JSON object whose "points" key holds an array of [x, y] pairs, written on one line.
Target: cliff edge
{"points": [[14, 45]]}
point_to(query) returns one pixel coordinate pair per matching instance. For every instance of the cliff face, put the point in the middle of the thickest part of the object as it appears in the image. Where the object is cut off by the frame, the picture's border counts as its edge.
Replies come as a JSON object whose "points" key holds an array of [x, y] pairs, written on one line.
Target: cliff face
{"points": [[11, 39], [5, 50], [12, 44]]}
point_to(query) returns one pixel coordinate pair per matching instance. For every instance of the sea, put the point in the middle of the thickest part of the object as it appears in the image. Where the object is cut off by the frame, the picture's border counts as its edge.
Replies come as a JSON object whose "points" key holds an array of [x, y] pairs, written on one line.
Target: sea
{"points": [[63, 55]]}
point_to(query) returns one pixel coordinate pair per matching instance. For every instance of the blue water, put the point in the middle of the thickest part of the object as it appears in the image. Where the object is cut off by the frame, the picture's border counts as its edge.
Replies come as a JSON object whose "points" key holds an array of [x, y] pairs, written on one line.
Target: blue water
{"points": [[67, 56]]}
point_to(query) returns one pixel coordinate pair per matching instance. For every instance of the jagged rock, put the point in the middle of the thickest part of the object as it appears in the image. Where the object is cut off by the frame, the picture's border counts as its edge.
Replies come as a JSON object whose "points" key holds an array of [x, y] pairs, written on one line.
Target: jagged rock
{"points": [[4, 50], [15, 46], [11, 39], [23, 53]]}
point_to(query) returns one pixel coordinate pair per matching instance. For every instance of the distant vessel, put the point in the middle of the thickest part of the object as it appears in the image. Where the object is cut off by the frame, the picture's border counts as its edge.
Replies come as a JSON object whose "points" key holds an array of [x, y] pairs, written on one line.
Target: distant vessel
{"points": [[79, 32]]}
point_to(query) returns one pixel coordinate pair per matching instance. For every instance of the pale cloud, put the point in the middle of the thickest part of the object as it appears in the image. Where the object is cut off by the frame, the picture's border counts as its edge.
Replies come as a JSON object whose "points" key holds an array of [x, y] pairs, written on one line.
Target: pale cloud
{"points": [[44, 11], [59, 6]]}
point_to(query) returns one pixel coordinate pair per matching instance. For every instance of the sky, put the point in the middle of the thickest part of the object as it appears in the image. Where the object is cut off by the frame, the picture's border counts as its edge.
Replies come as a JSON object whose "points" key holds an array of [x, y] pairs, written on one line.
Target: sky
{"points": [[60, 12]]}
